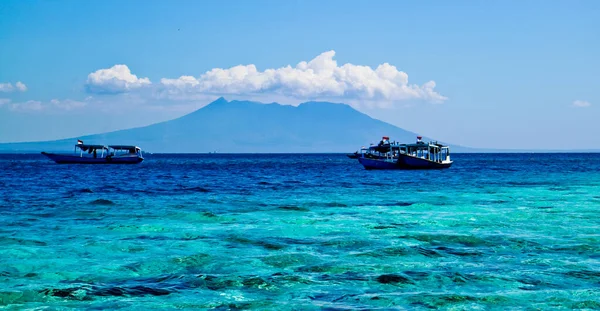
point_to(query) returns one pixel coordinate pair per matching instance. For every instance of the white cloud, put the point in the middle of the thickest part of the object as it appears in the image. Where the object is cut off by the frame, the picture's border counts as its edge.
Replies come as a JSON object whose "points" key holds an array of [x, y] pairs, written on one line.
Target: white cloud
{"points": [[321, 78], [581, 103], [8, 87], [20, 86], [117, 79], [35, 105], [67, 104], [30, 105], [4, 101]]}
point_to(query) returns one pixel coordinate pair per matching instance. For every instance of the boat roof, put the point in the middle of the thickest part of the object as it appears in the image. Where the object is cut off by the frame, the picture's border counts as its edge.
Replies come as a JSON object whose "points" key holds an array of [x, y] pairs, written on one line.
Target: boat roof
{"points": [[84, 146], [422, 145], [425, 145], [124, 147]]}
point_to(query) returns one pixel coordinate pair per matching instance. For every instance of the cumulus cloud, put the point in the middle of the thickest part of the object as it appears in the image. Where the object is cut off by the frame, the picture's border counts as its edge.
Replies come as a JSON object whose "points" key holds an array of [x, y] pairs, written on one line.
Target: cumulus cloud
{"points": [[320, 78], [67, 104], [8, 87], [30, 105], [35, 105], [20, 86], [117, 79], [581, 103]]}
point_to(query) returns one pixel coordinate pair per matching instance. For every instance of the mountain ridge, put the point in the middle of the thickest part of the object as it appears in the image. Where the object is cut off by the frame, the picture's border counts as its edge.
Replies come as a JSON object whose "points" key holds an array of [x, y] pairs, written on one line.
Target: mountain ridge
{"points": [[239, 126]]}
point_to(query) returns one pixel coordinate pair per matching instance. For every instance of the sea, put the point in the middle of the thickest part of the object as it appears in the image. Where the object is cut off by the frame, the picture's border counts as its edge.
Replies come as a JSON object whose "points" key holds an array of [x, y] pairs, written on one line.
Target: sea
{"points": [[300, 232]]}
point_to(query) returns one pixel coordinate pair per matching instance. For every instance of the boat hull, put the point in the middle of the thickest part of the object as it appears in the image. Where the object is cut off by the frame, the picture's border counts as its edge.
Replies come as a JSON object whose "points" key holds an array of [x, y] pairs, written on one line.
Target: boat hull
{"points": [[69, 159], [404, 162]]}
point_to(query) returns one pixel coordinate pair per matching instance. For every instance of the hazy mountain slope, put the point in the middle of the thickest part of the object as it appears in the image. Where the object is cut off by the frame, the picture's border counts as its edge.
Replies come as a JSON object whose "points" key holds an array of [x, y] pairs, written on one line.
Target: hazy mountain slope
{"points": [[243, 126]]}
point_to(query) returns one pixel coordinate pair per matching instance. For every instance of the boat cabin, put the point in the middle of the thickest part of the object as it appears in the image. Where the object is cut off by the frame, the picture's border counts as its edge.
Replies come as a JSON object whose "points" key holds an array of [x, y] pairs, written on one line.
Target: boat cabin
{"points": [[125, 150], [97, 151], [101, 151], [432, 151]]}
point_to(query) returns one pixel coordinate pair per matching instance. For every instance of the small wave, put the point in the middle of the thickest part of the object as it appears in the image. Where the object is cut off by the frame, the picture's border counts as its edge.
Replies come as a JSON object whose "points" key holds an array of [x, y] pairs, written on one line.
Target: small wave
{"points": [[347, 185], [375, 184], [213, 282], [428, 252], [335, 204], [590, 250], [6, 273], [85, 190], [193, 261], [131, 291], [456, 277], [399, 204], [153, 238], [263, 244], [489, 202], [291, 241], [531, 183], [195, 189], [87, 219], [393, 279], [209, 214], [559, 188], [17, 241], [445, 239], [534, 283], [441, 301], [255, 282], [315, 268], [60, 292], [417, 275], [584, 274], [293, 208], [290, 259], [102, 202], [459, 252], [347, 244], [395, 251], [346, 276], [381, 227]]}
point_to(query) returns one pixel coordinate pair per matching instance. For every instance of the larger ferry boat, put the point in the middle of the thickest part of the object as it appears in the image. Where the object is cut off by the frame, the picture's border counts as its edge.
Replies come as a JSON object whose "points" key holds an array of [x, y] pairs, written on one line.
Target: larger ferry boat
{"points": [[392, 155]]}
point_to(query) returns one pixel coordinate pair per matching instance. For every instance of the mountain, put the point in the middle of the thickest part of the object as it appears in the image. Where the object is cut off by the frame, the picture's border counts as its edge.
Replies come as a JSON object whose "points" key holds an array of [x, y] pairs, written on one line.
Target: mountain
{"points": [[244, 126]]}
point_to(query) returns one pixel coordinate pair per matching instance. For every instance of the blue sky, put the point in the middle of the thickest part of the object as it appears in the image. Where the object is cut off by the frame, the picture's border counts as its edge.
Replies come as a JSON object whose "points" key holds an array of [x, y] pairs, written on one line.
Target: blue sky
{"points": [[508, 74]]}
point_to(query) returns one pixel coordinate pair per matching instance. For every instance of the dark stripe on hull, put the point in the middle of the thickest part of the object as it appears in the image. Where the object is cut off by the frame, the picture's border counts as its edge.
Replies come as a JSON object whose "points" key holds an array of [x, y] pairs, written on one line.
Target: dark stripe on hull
{"points": [[404, 162], [66, 159]]}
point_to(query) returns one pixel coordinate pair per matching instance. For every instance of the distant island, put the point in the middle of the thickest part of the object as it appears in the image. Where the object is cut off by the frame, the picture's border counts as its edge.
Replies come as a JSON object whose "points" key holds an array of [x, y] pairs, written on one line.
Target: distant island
{"points": [[246, 127], [249, 127]]}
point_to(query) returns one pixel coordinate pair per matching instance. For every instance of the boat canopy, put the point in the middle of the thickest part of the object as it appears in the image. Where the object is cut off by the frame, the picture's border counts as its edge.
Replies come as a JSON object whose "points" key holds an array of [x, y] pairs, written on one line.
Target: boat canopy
{"points": [[125, 147], [422, 145], [419, 145], [91, 147]]}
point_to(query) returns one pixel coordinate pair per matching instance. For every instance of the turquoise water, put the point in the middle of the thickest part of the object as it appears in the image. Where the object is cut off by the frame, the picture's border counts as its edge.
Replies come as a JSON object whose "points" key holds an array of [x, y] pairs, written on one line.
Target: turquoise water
{"points": [[283, 232]]}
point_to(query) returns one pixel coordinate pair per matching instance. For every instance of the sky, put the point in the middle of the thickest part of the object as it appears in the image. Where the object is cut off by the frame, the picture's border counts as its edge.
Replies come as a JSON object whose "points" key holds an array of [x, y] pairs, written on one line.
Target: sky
{"points": [[486, 74]]}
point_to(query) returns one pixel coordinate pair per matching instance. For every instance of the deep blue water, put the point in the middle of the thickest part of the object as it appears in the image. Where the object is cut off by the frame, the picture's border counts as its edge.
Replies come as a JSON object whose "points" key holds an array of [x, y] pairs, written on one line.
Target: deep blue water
{"points": [[282, 232]]}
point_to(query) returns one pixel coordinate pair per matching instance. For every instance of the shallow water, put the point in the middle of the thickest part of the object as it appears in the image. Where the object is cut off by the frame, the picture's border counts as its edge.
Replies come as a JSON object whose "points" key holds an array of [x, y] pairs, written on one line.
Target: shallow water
{"points": [[508, 231]]}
